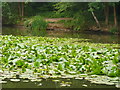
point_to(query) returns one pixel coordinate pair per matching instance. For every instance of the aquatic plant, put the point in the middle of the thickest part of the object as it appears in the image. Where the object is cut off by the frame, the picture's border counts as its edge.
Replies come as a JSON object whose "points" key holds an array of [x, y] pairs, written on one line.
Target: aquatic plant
{"points": [[57, 56]]}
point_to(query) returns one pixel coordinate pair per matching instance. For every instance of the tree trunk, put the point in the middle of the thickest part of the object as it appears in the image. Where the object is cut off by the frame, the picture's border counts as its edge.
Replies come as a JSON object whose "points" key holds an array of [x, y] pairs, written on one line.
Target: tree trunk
{"points": [[22, 10], [19, 9], [115, 17], [97, 22], [106, 10]]}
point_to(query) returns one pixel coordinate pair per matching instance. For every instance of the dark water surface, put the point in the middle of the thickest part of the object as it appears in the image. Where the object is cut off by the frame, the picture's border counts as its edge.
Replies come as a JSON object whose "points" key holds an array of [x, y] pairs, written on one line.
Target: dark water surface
{"points": [[49, 83], [94, 37]]}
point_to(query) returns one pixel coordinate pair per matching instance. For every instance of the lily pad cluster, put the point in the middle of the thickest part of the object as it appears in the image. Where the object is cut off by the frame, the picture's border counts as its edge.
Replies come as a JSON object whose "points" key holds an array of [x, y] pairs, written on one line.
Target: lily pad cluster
{"points": [[57, 56]]}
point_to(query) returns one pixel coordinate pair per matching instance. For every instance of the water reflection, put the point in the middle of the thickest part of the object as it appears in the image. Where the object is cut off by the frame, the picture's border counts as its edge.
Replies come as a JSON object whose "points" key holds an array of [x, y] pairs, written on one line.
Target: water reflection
{"points": [[13, 31], [94, 37]]}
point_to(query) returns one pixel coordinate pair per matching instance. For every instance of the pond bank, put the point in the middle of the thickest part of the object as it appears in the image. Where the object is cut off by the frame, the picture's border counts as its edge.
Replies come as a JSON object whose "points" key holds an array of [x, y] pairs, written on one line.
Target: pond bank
{"points": [[60, 27], [56, 24]]}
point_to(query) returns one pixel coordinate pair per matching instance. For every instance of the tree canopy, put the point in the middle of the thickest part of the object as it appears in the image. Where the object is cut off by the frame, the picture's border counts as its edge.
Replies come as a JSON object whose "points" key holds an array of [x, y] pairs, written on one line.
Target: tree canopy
{"points": [[101, 13]]}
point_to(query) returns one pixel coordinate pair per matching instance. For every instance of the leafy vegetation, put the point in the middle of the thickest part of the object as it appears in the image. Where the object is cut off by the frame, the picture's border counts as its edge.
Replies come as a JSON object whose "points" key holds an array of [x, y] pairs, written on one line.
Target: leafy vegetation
{"points": [[35, 58], [77, 23], [35, 24], [9, 13], [86, 15], [57, 56]]}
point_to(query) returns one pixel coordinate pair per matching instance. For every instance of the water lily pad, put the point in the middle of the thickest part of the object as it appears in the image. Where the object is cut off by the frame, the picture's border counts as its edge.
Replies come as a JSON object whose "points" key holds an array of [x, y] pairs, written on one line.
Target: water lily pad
{"points": [[65, 85], [38, 80], [25, 76], [114, 81], [33, 80], [8, 76], [1, 71], [25, 80], [117, 85], [84, 85], [98, 82], [72, 72], [15, 80], [52, 76], [2, 78], [3, 82], [110, 83], [40, 84], [69, 76], [46, 76], [56, 80], [94, 75], [79, 78], [83, 75]]}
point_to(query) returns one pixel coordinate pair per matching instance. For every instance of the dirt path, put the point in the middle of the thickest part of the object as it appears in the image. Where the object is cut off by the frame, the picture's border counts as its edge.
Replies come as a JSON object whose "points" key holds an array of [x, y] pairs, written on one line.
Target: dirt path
{"points": [[54, 23], [57, 19]]}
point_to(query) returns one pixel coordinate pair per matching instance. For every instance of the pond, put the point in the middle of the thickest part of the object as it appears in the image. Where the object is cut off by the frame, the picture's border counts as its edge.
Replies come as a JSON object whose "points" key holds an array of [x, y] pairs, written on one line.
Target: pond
{"points": [[94, 37], [59, 82]]}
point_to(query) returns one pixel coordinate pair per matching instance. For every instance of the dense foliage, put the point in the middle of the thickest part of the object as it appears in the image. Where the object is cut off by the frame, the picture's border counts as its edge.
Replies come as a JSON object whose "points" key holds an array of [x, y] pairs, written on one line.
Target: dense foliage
{"points": [[35, 25], [100, 14], [9, 13], [57, 56]]}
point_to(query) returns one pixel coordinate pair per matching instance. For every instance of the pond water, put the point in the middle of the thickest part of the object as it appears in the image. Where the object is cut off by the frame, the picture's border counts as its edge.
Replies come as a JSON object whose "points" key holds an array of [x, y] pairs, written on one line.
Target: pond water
{"points": [[94, 37], [49, 83], [54, 83]]}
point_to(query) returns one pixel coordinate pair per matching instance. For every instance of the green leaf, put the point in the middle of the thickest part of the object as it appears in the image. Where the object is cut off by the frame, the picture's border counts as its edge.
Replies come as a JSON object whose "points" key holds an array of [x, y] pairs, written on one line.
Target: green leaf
{"points": [[36, 64]]}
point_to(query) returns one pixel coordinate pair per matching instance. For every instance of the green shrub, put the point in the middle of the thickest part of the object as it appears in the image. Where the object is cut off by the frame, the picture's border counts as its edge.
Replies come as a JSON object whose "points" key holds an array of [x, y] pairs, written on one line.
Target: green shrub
{"points": [[77, 23], [36, 24]]}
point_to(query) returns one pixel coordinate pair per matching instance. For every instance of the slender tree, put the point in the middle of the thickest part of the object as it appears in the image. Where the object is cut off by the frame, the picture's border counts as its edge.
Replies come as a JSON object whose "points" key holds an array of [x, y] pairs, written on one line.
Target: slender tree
{"points": [[21, 9], [91, 5], [106, 11], [115, 17], [96, 19]]}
